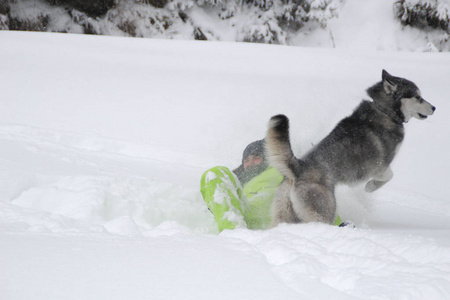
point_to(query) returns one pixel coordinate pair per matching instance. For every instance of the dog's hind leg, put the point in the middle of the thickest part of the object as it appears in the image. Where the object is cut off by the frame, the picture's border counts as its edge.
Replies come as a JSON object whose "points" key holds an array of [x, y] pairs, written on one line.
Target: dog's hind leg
{"points": [[379, 181], [282, 211], [314, 202]]}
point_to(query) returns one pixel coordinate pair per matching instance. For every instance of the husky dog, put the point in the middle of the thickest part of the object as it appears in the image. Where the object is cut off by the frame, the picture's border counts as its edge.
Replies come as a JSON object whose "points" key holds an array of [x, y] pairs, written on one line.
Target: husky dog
{"points": [[360, 148]]}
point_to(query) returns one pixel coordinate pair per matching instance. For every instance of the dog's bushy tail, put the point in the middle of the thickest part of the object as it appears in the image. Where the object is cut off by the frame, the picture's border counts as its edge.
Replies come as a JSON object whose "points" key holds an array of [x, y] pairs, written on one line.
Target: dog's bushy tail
{"points": [[278, 147]]}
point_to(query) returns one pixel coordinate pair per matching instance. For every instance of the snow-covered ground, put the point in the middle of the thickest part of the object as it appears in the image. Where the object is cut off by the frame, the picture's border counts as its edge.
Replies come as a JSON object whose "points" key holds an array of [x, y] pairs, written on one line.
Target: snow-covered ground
{"points": [[103, 141]]}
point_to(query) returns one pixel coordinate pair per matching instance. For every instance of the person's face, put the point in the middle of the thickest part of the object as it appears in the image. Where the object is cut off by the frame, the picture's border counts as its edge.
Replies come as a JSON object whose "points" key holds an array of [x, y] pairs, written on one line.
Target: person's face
{"points": [[252, 161]]}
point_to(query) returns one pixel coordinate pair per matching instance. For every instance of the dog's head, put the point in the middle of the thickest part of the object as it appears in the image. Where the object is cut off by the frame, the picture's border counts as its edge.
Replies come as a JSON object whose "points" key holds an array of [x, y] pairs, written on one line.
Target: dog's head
{"points": [[407, 97]]}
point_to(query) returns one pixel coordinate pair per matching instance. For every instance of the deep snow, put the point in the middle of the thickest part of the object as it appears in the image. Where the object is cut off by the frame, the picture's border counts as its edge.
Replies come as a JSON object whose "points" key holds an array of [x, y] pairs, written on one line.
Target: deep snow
{"points": [[103, 141]]}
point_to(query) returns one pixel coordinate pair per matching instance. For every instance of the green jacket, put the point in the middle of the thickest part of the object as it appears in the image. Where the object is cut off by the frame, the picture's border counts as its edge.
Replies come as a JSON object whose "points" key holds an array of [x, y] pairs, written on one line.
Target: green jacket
{"points": [[259, 193]]}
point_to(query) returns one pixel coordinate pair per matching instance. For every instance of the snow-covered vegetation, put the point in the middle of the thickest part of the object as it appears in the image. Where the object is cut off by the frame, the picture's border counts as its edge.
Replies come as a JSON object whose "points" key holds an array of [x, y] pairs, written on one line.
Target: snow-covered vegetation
{"points": [[289, 22], [432, 16], [262, 21]]}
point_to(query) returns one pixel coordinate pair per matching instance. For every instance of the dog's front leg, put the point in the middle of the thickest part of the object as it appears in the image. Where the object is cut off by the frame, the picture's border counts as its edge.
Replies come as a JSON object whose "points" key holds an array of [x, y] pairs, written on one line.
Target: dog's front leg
{"points": [[379, 180]]}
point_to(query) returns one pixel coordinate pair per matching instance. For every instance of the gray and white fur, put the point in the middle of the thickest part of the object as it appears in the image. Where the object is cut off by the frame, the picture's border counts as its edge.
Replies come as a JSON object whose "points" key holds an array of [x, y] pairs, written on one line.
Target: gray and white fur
{"points": [[360, 148]]}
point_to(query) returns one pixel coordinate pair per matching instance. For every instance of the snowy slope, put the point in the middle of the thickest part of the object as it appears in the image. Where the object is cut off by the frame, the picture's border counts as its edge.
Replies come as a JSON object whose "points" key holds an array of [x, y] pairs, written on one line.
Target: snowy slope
{"points": [[103, 141]]}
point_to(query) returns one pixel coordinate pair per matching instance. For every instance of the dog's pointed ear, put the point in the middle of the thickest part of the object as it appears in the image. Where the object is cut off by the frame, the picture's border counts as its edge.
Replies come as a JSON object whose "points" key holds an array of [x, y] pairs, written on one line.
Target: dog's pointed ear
{"points": [[388, 84]]}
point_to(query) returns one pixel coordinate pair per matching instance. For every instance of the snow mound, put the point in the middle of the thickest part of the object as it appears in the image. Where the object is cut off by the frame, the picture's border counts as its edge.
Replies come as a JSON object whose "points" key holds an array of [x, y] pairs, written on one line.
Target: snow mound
{"points": [[120, 205]]}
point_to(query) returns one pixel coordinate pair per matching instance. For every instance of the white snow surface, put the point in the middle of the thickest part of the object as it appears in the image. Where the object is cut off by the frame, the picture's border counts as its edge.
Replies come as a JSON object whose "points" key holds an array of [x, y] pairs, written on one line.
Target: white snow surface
{"points": [[103, 141]]}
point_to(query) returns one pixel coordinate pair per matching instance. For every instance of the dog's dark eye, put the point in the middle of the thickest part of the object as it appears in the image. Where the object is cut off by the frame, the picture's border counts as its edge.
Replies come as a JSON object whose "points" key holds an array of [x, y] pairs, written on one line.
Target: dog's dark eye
{"points": [[420, 99]]}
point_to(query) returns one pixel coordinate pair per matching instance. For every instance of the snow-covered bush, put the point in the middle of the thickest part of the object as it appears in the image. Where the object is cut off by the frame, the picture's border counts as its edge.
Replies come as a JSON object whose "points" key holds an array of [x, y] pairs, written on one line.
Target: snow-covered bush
{"points": [[423, 13], [292, 14], [259, 21], [94, 8], [262, 28], [4, 22], [270, 21], [323, 10], [142, 20], [433, 16], [4, 12], [32, 18]]}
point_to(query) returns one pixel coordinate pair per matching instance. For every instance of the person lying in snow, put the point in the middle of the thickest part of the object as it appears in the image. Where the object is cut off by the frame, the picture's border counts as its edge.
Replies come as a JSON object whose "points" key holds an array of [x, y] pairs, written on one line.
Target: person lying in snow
{"points": [[243, 198]]}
